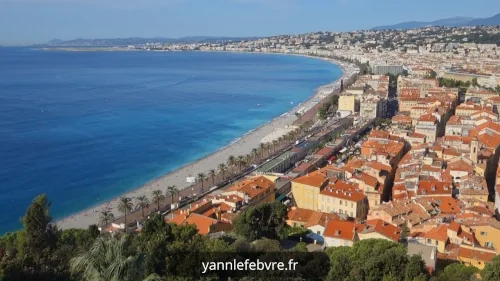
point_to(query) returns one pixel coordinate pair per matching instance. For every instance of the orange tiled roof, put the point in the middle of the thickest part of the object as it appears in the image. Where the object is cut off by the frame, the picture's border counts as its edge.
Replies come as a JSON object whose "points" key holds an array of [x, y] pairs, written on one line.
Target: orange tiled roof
{"points": [[432, 187], [379, 134], [401, 119], [315, 178], [476, 254], [454, 226], [460, 165], [379, 226], [427, 118], [454, 120], [343, 190], [344, 230], [438, 233], [202, 223], [253, 186]]}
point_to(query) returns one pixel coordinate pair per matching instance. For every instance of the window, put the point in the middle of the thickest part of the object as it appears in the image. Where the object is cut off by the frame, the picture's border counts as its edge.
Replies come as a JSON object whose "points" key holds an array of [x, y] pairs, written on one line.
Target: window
{"points": [[346, 203], [488, 245], [351, 215], [352, 205], [340, 211], [483, 233], [340, 202], [436, 242], [429, 241], [294, 224], [318, 232]]}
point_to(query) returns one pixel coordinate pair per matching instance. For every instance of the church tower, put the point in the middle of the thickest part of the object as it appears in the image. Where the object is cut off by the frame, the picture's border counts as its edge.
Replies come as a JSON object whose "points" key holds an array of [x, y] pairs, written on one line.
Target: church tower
{"points": [[474, 150]]}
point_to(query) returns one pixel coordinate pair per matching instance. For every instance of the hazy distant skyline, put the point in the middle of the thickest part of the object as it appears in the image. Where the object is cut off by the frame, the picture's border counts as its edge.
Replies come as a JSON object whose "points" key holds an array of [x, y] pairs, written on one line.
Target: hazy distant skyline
{"points": [[38, 21]]}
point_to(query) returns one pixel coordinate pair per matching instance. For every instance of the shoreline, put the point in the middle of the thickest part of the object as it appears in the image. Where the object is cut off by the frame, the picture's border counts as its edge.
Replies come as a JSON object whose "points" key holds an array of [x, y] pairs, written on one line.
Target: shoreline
{"points": [[239, 146]]}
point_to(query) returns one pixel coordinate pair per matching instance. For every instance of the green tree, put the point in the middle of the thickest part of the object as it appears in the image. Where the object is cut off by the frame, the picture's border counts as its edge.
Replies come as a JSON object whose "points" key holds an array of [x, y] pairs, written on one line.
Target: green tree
{"points": [[240, 161], [248, 158], [261, 221], [404, 232], [300, 247], [389, 277], [491, 271], [340, 263], [266, 245], [414, 268], [212, 174], [255, 153], [275, 142], [231, 161], [157, 198], [222, 168], [201, 178], [125, 206], [474, 82], [457, 272], [173, 191], [142, 202], [106, 217], [40, 235], [111, 259]]}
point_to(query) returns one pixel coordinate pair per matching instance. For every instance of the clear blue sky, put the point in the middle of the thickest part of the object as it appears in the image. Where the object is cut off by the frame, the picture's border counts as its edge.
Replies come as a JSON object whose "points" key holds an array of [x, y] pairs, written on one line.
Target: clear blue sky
{"points": [[32, 21]]}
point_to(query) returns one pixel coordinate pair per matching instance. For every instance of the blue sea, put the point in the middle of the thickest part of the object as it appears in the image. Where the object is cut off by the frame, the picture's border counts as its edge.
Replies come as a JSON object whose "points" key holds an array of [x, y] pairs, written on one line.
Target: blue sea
{"points": [[84, 127]]}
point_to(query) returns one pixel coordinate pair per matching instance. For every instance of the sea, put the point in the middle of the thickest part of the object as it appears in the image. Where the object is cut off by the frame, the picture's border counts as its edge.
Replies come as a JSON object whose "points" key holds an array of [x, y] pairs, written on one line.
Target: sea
{"points": [[84, 127]]}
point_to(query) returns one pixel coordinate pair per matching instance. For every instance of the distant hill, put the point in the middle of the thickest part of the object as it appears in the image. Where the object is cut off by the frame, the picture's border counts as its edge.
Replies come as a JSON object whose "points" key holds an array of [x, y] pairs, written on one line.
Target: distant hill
{"points": [[139, 41], [455, 21]]}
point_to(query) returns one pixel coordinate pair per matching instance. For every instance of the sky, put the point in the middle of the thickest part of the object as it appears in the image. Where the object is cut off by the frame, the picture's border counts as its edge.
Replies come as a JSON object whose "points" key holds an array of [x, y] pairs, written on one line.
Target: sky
{"points": [[38, 21]]}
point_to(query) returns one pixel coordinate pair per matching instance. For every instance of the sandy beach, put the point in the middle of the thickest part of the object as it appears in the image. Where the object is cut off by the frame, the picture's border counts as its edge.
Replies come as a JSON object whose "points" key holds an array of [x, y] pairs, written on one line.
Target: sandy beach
{"points": [[241, 146]]}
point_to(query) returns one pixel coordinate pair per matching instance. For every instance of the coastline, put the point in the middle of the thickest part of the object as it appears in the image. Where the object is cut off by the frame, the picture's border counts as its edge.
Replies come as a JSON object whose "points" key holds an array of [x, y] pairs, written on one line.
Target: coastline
{"points": [[239, 146]]}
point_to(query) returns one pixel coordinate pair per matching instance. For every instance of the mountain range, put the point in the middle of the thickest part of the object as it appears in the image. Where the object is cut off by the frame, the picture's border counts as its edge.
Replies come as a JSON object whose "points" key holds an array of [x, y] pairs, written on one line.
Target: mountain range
{"points": [[455, 21], [140, 41]]}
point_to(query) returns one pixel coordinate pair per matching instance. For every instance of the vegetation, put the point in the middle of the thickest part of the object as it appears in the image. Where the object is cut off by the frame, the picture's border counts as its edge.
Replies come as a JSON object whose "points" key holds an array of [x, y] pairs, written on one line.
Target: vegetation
{"points": [[266, 220], [142, 202], [158, 197], [172, 191], [374, 260], [328, 107], [125, 206], [452, 83], [162, 251]]}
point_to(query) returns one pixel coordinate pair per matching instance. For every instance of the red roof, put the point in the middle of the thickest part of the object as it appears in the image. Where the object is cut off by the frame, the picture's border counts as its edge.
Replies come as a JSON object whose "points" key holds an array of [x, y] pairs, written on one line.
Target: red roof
{"points": [[476, 254], [438, 233], [383, 228], [344, 230]]}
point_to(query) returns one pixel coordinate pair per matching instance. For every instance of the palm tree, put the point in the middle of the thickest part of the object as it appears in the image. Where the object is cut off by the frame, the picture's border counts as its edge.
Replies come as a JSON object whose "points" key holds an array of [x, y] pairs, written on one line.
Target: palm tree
{"points": [[255, 153], [248, 158], [158, 197], [172, 190], [222, 169], [231, 161], [212, 174], [240, 160], [268, 147], [106, 217], [280, 140], [142, 202], [125, 206], [201, 178], [275, 142], [262, 147], [109, 259]]}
